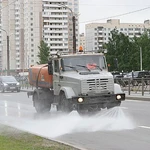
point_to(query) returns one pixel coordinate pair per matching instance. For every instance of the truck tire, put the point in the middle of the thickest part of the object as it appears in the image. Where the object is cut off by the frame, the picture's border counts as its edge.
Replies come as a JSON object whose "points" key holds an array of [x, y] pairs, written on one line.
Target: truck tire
{"points": [[41, 104], [64, 104]]}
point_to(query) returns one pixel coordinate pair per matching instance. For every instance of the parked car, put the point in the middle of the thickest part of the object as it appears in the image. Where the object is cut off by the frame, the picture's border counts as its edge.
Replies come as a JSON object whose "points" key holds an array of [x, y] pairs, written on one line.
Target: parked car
{"points": [[9, 83], [136, 76]]}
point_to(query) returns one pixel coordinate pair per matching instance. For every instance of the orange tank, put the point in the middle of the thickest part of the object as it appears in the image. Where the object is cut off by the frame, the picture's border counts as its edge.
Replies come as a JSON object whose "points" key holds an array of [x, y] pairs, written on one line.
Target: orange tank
{"points": [[44, 80]]}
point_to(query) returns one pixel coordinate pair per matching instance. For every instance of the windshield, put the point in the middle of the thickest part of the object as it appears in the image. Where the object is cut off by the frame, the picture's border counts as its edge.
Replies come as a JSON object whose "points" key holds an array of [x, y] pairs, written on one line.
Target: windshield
{"points": [[8, 79], [84, 62]]}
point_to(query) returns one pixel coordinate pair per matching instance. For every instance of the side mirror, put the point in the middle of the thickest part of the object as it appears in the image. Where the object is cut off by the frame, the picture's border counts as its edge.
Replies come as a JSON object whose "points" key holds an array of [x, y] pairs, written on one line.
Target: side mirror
{"points": [[50, 68]]}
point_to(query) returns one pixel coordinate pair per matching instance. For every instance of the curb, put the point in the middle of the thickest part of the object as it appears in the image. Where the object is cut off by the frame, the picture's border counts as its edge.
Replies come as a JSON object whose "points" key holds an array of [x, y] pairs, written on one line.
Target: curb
{"points": [[22, 90], [138, 98]]}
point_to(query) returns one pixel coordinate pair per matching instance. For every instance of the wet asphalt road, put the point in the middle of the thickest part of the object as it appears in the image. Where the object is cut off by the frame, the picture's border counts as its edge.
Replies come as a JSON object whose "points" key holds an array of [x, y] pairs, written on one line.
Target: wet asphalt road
{"points": [[133, 121]]}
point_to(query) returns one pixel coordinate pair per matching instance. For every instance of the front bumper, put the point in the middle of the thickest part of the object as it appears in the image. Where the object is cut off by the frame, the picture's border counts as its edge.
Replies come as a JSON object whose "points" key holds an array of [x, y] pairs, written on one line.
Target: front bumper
{"points": [[10, 88], [99, 99]]}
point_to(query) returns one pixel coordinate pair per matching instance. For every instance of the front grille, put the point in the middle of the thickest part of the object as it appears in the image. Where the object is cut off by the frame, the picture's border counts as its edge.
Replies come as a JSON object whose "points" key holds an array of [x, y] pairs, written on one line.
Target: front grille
{"points": [[12, 84], [97, 85]]}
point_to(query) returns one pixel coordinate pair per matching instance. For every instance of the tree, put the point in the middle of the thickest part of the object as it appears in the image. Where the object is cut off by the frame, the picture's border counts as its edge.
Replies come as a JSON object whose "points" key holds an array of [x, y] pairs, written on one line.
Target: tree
{"points": [[118, 51], [144, 43], [124, 52], [44, 52]]}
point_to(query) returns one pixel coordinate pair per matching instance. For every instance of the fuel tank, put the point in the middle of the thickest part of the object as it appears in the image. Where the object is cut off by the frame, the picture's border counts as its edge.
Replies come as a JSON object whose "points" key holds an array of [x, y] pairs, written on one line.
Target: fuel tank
{"points": [[41, 72]]}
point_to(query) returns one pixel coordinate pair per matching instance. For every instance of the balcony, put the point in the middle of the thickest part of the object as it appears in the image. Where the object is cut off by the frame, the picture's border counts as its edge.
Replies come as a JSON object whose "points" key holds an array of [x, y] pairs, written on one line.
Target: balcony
{"points": [[54, 26], [56, 42]]}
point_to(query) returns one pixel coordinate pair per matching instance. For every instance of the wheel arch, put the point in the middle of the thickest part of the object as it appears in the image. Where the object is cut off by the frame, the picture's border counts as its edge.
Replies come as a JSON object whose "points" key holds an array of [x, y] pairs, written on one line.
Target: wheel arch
{"points": [[117, 89], [68, 91]]}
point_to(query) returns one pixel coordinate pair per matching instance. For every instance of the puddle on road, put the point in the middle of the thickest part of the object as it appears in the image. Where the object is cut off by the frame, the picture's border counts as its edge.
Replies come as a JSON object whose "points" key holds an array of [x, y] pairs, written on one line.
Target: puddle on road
{"points": [[56, 124]]}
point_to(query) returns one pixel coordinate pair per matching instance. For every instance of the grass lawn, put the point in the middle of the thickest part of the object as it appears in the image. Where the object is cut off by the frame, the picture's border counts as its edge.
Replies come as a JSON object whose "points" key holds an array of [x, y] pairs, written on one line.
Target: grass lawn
{"points": [[13, 139]]}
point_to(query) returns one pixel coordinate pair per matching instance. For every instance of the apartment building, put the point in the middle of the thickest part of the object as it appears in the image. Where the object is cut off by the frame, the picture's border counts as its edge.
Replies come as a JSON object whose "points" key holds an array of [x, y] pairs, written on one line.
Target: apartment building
{"points": [[27, 22], [57, 24], [12, 26], [33, 28], [82, 41], [98, 33], [0, 37]]}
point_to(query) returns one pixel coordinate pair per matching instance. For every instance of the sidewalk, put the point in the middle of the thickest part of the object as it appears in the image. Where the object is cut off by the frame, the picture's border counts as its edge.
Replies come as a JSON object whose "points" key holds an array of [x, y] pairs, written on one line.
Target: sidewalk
{"points": [[132, 96], [25, 89], [138, 96]]}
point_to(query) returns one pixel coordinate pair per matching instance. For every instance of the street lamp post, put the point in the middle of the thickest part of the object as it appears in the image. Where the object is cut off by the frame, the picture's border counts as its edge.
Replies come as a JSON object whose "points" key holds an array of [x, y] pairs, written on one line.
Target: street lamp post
{"points": [[141, 59], [8, 61], [74, 26]]}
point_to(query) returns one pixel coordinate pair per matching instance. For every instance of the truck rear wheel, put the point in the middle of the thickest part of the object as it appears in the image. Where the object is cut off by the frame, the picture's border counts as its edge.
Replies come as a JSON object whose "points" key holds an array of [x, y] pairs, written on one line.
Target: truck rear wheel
{"points": [[41, 104]]}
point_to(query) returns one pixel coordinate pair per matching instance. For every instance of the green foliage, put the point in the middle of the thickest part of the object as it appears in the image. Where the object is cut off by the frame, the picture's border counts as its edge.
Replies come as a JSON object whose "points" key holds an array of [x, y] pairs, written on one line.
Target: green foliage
{"points": [[13, 139], [127, 51], [44, 52]]}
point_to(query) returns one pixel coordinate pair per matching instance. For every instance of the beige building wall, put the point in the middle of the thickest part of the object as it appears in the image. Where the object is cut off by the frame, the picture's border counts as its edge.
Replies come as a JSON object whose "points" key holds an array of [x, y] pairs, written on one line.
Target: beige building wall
{"points": [[0, 37], [32, 31], [27, 22], [12, 23], [98, 33], [4, 26], [82, 41], [57, 24]]}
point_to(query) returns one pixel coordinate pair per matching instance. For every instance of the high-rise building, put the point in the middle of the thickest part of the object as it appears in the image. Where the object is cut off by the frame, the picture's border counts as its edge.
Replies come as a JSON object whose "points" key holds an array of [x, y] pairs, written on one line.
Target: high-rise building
{"points": [[57, 23], [33, 27], [98, 33], [12, 26], [82, 41], [27, 22], [0, 37]]}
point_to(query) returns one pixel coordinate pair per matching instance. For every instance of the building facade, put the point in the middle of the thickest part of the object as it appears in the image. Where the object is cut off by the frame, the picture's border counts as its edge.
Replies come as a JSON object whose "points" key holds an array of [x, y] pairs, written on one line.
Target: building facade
{"points": [[98, 33], [82, 41], [57, 24], [27, 22], [0, 36], [33, 28]]}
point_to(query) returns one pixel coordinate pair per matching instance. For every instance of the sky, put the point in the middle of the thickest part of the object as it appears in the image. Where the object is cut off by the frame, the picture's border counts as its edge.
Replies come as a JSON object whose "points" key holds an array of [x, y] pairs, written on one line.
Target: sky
{"points": [[102, 10]]}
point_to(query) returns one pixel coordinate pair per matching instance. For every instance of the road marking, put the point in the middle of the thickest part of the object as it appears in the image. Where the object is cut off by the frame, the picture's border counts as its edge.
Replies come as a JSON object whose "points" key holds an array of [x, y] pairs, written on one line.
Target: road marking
{"points": [[145, 127], [6, 95], [137, 101]]}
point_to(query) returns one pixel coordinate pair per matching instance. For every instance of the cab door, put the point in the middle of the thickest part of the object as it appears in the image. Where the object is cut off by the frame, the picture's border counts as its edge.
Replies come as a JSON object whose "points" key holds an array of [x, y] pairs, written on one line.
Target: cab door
{"points": [[56, 76]]}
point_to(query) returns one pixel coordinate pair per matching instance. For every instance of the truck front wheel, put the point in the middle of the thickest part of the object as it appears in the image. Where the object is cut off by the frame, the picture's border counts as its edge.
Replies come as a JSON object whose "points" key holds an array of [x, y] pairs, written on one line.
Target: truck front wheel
{"points": [[64, 104]]}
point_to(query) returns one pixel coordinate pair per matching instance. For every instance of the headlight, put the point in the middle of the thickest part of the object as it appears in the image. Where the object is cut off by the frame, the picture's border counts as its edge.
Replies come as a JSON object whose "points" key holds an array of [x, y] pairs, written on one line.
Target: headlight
{"points": [[118, 97], [80, 100], [18, 83], [5, 84]]}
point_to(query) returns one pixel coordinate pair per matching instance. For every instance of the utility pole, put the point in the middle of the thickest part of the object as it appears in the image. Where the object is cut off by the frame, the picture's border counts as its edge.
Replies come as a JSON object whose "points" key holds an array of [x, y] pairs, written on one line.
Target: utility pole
{"points": [[8, 61], [74, 26], [141, 59], [74, 34]]}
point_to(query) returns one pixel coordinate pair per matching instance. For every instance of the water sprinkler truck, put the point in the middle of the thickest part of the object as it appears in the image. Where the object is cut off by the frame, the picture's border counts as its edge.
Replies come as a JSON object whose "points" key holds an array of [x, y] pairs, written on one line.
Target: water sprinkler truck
{"points": [[78, 81]]}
